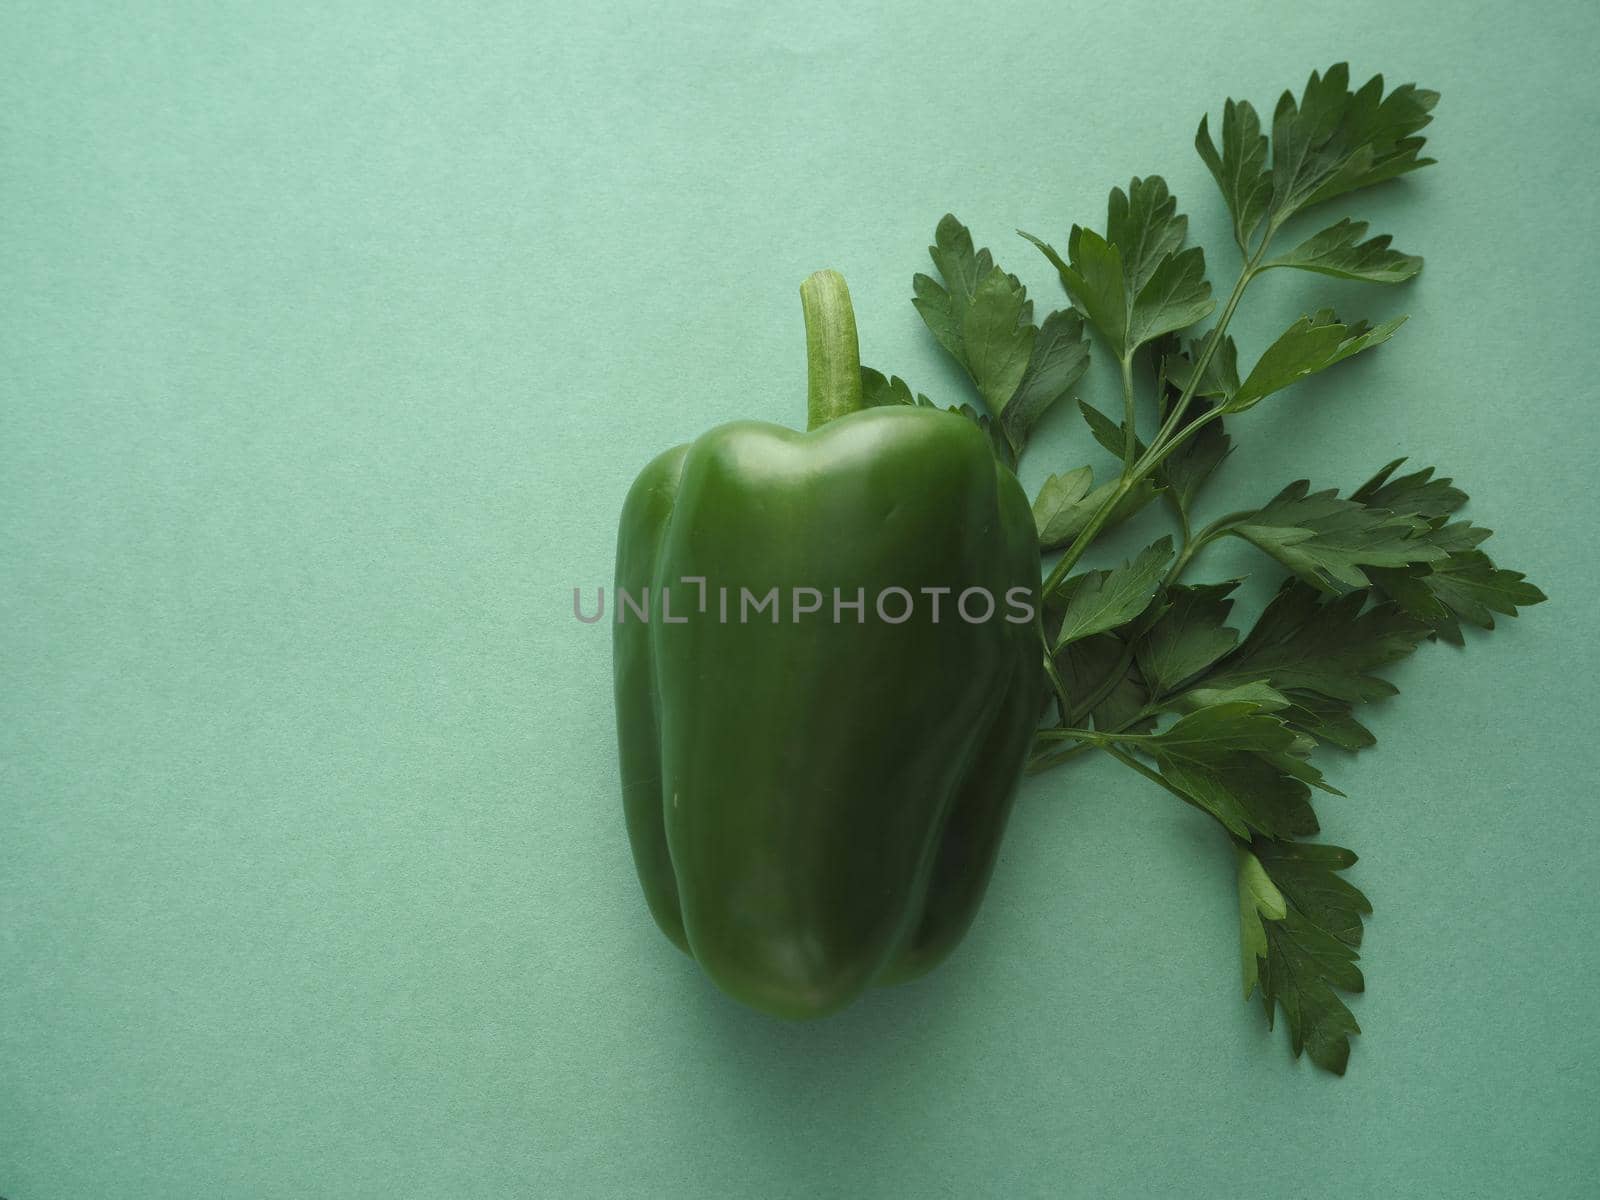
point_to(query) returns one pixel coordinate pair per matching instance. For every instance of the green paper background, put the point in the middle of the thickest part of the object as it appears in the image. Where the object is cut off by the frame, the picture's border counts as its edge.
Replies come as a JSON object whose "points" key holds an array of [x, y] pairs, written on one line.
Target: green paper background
{"points": [[330, 341]]}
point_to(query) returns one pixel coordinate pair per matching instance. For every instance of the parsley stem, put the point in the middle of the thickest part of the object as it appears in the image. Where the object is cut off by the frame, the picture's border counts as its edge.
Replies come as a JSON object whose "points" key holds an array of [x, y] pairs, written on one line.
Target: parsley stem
{"points": [[1086, 739], [1152, 459], [1172, 433], [1193, 546], [1075, 735], [1130, 436], [1044, 762], [1154, 776], [1183, 521], [1246, 274], [1063, 704], [1081, 543], [1108, 743]]}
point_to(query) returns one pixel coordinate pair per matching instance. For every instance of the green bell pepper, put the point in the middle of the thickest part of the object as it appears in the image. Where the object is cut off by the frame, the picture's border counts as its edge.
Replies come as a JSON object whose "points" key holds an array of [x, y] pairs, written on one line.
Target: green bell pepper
{"points": [[815, 787]]}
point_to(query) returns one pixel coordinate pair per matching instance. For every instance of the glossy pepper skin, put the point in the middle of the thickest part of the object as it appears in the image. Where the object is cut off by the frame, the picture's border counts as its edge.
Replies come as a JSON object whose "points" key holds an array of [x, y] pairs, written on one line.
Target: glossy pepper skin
{"points": [[815, 805]]}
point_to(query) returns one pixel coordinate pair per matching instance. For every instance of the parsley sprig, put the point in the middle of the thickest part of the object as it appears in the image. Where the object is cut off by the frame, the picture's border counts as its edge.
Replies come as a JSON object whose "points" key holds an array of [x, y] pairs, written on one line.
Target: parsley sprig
{"points": [[1145, 666]]}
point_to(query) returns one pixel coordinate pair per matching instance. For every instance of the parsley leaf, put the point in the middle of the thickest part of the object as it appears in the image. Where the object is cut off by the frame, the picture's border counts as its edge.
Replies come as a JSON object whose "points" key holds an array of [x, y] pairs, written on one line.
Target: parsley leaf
{"points": [[1467, 586], [1326, 719], [1329, 647], [962, 267], [1319, 717], [1259, 898], [1135, 283], [1338, 251], [1303, 967], [1473, 588], [1261, 694], [1326, 541], [1416, 494], [1329, 142], [1099, 600], [1463, 583], [983, 318], [1334, 140], [1189, 637], [1110, 434], [1307, 875], [1059, 358], [1065, 505], [1310, 345], [1103, 666], [1240, 170], [1242, 765], [1059, 510], [1221, 378], [997, 338], [878, 390], [1311, 949]]}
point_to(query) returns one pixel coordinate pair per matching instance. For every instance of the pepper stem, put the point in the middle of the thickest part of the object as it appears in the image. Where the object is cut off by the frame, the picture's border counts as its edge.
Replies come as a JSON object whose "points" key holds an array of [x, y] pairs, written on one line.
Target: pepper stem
{"points": [[833, 357]]}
